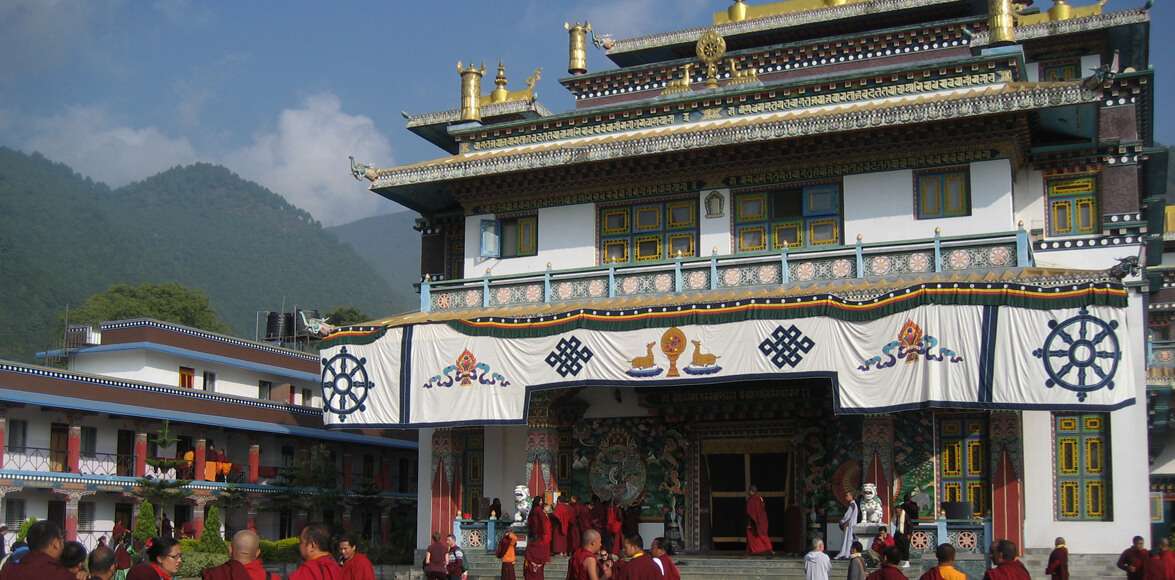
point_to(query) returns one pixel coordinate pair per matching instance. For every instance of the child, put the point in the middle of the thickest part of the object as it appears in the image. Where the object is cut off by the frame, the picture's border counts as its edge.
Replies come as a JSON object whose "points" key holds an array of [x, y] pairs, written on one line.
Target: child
{"points": [[1058, 567]]}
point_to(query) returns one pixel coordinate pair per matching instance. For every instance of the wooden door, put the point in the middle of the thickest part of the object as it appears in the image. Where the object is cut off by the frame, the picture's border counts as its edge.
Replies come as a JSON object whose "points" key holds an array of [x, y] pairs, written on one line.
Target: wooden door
{"points": [[732, 467], [58, 447]]}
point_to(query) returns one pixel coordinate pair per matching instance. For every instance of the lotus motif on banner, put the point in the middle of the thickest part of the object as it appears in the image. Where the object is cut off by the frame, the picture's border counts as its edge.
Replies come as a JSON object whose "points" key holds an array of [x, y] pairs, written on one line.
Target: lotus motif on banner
{"points": [[911, 345], [466, 371]]}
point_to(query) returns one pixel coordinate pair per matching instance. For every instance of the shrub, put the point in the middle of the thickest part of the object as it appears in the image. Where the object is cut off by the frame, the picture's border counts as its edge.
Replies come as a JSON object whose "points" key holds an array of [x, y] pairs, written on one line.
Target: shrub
{"points": [[24, 529], [195, 562], [211, 541], [285, 550], [144, 524]]}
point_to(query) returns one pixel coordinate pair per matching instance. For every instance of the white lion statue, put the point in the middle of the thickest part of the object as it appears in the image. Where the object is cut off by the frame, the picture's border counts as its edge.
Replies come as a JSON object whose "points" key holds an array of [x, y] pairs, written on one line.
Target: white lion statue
{"points": [[522, 503], [871, 509]]}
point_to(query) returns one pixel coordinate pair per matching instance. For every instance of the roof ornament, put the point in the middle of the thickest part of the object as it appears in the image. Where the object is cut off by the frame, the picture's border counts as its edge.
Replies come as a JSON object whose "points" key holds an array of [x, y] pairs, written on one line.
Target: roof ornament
{"points": [[470, 91], [360, 170], [747, 76], [603, 41], [711, 48], [501, 94], [681, 85], [577, 46]]}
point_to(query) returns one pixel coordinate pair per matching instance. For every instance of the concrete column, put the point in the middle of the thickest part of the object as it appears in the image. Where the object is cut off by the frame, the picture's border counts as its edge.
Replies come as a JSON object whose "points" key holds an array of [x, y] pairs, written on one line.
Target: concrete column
{"points": [[347, 518], [385, 473], [298, 522], [71, 513], [254, 463], [251, 515], [348, 471], [74, 449], [140, 454], [200, 456]]}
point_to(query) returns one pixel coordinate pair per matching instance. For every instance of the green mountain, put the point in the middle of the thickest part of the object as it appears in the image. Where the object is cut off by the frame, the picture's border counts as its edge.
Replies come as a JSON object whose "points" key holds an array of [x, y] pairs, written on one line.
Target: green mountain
{"points": [[64, 237], [390, 246]]}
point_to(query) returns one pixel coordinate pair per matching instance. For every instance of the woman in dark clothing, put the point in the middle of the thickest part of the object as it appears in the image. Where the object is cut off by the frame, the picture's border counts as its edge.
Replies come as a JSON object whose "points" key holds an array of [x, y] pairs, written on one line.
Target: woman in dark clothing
{"points": [[434, 559], [162, 563], [496, 509]]}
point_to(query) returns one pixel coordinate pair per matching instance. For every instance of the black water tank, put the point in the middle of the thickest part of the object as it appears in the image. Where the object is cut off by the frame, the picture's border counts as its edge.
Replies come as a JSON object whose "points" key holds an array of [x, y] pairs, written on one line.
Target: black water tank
{"points": [[276, 326]]}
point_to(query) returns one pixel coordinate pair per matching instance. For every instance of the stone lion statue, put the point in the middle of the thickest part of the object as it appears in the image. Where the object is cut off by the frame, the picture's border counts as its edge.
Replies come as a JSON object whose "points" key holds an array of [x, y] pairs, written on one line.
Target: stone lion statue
{"points": [[871, 509], [522, 503]]}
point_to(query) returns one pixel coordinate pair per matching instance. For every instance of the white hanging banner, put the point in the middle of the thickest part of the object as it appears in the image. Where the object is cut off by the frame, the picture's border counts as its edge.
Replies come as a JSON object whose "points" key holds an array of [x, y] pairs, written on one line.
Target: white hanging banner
{"points": [[948, 356]]}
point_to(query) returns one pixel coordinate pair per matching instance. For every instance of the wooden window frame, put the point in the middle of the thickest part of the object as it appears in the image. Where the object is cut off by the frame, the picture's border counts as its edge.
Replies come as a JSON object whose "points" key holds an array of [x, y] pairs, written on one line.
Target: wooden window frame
{"points": [[1068, 195], [187, 378], [666, 233], [1082, 467], [943, 175], [1043, 68], [805, 221]]}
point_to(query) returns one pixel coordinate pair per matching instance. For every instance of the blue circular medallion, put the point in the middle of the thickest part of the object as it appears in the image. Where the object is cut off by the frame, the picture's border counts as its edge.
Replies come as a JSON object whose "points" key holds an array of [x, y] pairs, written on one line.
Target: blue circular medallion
{"points": [[1081, 354], [345, 384]]}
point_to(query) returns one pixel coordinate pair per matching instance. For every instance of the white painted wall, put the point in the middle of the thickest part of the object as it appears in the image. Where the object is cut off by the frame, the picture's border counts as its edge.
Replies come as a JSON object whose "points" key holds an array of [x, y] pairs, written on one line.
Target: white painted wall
{"points": [[163, 368], [1130, 484], [880, 206], [714, 233], [1028, 199], [1086, 259], [567, 239], [505, 463]]}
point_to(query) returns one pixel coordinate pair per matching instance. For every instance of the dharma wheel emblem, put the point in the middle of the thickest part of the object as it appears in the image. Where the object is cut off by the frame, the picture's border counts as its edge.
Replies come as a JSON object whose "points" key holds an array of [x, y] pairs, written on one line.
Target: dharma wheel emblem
{"points": [[1081, 354], [345, 384], [710, 49]]}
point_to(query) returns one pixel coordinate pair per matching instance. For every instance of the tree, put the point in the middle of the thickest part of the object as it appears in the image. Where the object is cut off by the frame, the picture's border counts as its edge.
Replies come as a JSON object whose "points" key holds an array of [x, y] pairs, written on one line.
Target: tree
{"points": [[145, 524], [24, 529], [161, 490], [211, 540], [346, 315], [231, 498], [168, 302], [311, 483]]}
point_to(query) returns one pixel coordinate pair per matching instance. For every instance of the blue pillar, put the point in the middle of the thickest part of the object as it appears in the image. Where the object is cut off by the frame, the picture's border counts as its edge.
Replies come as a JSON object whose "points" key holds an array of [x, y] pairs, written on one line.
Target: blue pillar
{"points": [[547, 285], [678, 282], [425, 295], [1022, 246], [860, 259], [485, 290], [714, 269], [491, 540], [611, 280], [784, 269], [937, 250]]}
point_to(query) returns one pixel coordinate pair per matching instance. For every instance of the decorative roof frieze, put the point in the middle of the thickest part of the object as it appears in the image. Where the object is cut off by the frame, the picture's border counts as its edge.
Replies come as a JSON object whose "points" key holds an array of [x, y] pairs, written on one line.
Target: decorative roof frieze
{"points": [[717, 129], [487, 111], [1075, 25]]}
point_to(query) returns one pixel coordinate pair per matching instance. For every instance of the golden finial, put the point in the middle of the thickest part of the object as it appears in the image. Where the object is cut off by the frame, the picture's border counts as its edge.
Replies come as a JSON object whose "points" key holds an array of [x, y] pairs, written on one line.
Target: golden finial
{"points": [[710, 49], [577, 47], [498, 95], [470, 91], [1001, 22], [737, 11]]}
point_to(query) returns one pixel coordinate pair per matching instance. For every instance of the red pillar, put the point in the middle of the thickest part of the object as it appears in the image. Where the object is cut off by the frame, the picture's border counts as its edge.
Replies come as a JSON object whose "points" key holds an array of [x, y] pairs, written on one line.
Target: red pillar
{"points": [[140, 454], [347, 519], [251, 517], [1006, 513], [347, 471], [254, 463], [3, 438], [385, 474], [74, 450], [71, 516], [198, 515], [198, 463], [385, 526]]}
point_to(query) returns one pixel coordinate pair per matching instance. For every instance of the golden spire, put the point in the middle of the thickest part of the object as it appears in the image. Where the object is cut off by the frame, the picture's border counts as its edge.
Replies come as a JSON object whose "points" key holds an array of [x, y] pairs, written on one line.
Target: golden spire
{"points": [[470, 91], [500, 92], [711, 48], [737, 11], [577, 47]]}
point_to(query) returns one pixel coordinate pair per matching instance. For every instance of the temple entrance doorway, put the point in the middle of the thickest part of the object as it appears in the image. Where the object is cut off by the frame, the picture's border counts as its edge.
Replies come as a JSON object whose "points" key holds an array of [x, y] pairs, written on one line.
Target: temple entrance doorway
{"points": [[731, 467]]}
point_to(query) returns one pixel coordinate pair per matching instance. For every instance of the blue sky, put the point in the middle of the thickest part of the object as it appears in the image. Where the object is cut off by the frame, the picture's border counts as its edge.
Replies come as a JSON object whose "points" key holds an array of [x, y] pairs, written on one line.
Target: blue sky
{"points": [[283, 92]]}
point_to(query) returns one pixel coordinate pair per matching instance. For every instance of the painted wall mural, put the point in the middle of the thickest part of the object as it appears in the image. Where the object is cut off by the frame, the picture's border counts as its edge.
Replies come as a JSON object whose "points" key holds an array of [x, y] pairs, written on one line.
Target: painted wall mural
{"points": [[914, 460], [632, 461]]}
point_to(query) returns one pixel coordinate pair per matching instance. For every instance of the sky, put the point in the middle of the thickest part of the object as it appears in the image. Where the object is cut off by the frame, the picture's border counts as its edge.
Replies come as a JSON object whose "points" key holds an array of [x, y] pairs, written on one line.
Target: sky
{"points": [[281, 92]]}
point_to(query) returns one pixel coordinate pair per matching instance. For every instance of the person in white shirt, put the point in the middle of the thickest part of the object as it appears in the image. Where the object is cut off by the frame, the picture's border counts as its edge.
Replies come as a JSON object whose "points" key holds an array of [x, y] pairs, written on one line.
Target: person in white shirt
{"points": [[817, 566]]}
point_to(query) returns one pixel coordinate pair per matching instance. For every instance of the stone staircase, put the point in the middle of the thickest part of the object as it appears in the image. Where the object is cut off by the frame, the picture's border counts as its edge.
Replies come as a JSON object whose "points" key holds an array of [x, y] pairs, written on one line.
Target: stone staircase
{"points": [[1081, 566]]}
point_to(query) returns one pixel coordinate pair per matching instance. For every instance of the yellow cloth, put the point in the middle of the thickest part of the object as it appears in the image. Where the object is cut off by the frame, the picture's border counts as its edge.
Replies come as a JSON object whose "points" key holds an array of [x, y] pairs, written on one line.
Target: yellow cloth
{"points": [[949, 572]]}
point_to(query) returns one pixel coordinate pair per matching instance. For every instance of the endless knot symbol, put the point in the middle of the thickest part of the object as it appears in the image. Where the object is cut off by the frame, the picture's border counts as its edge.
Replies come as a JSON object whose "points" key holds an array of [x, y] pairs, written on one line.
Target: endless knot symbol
{"points": [[345, 384], [569, 356], [1090, 347], [786, 347]]}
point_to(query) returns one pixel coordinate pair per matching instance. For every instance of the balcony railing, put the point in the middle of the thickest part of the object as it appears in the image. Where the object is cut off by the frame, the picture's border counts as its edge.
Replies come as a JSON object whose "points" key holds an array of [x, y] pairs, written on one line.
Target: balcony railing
{"points": [[861, 260], [35, 459], [107, 464]]}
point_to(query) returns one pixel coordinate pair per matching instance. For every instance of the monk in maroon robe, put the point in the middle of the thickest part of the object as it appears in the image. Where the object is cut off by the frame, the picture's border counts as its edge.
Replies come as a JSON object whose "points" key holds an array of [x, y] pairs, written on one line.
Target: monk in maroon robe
{"points": [[584, 563], [658, 552], [1058, 566], [318, 564], [640, 565], [583, 520], [615, 526], [538, 542], [1133, 561], [1166, 558], [561, 535], [889, 566], [758, 540], [1007, 567]]}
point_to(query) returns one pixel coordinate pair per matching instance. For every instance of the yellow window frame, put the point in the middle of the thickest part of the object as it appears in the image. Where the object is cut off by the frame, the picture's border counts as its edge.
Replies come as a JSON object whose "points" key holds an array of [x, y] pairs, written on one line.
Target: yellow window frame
{"points": [[1070, 499], [812, 241], [690, 206], [743, 246], [1094, 455], [692, 251], [1068, 463], [739, 216], [958, 178], [952, 459], [952, 492], [607, 213], [975, 458], [952, 428], [978, 498], [1095, 499], [1061, 207], [930, 195], [1072, 186], [797, 225], [636, 248], [1067, 424], [1092, 423], [638, 211], [1087, 203], [615, 243], [528, 235]]}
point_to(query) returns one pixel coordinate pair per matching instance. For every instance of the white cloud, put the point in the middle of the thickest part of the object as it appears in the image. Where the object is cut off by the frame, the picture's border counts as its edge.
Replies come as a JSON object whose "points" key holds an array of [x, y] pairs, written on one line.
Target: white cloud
{"points": [[89, 141], [39, 34], [304, 158]]}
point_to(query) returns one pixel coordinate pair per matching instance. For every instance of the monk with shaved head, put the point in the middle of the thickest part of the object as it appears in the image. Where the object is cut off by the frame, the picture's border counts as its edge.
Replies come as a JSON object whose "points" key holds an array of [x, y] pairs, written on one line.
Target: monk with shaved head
{"points": [[244, 560]]}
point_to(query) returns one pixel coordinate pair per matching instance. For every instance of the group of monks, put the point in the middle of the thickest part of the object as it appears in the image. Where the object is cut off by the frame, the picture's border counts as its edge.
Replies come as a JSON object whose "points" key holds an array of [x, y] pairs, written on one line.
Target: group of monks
{"points": [[595, 556], [1139, 563]]}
